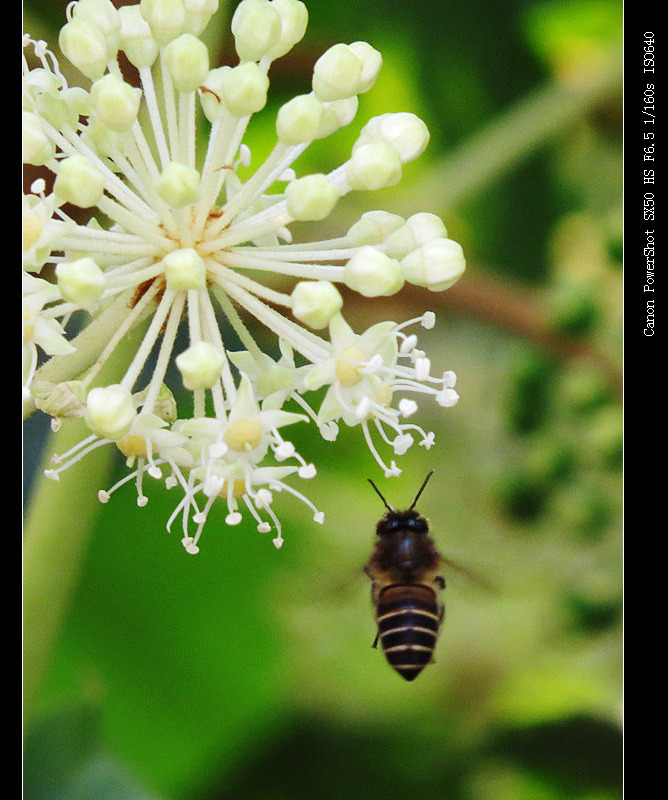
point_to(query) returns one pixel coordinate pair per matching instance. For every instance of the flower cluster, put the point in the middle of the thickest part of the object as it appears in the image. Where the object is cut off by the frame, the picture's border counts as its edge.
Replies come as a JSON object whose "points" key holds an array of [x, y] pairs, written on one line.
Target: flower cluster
{"points": [[183, 243]]}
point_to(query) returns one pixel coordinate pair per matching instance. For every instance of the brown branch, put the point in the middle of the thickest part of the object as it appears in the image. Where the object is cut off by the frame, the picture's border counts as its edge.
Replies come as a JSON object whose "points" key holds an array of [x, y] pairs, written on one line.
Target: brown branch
{"points": [[520, 310]]}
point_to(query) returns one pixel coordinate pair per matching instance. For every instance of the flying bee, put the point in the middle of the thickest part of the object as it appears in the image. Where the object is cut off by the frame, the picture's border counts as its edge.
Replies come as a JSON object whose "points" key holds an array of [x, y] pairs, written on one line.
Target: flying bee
{"points": [[406, 588]]}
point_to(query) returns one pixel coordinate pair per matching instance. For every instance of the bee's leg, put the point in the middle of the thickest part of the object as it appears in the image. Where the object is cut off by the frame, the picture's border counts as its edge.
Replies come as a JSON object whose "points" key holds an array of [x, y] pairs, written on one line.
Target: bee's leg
{"points": [[375, 641]]}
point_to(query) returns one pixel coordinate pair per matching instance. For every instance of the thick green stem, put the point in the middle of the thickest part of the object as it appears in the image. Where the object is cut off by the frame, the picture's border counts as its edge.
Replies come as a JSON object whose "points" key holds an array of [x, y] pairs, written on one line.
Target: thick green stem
{"points": [[56, 533]]}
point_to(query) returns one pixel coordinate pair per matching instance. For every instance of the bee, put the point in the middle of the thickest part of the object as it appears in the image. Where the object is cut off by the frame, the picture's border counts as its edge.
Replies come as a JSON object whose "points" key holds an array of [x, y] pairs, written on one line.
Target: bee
{"points": [[406, 588]]}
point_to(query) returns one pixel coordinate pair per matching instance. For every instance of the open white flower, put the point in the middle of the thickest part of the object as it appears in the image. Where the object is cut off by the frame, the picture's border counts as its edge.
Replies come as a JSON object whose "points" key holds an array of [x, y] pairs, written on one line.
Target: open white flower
{"points": [[364, 373], [184, 242]]}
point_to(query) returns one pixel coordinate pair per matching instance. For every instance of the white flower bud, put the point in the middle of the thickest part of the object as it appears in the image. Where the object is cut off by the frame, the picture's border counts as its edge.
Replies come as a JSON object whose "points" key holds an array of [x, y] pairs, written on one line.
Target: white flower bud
{"points": [[187, 61], [256, 26], [244, 89], [405, 132], [36, 145], [110, 411], [116, 103], [178, 184], [315, 303], [85, 46], [311, 197], [372, 61], [136, 39], [81, 282], [104, 16], [78, 182], [198, 14], [373, 166], [167, 18], [300, 119], [200, 366], [419, 228], [373, 274], [437, 264], [373, 227], [294, 19], [184, 269], [337, 73]]}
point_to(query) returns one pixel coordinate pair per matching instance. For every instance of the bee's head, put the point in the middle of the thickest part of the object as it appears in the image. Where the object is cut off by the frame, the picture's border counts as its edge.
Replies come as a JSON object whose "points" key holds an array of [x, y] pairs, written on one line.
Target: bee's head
{"points": [[409, 520], [395, 521]]}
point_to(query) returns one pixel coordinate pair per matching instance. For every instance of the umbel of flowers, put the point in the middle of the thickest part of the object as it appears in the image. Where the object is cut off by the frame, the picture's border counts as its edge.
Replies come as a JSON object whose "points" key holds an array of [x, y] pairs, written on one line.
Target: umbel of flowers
{"points": [[180, 242]]}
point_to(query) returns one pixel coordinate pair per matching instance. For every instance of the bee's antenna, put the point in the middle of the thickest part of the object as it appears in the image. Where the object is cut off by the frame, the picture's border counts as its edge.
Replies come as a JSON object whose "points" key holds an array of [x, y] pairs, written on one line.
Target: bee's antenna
{"points": [[387, 505], [420, 490]]}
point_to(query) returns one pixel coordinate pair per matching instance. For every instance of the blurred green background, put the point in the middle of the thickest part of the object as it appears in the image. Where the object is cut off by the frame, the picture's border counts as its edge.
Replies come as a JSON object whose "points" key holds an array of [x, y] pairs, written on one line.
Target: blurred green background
{"points": [[247, 672]]}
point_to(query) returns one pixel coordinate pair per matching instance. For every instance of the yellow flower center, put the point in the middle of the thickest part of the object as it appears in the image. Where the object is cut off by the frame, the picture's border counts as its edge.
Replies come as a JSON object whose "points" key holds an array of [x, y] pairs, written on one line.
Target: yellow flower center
{"points": [[244, 435], [32, 229], [346, 373], [238, 488], [384, 395], [132, 445]]}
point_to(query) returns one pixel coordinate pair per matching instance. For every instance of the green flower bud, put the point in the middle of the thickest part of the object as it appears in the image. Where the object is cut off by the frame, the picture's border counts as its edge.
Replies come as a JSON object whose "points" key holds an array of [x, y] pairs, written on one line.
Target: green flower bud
{"points": [[405, 132], [244, 89], [337, 73], [372, 61], [81, 282], [256, 26], [419, 228], [373, 274], [184, 269], [373, 166], [78, 182], [116, 103], [198, 14], [101, 138], [136, 39], [187, 61], [437, 264], [36, 145], [338, 114], [373, 227], [300, 119], [104, 16], [110, 411], [294, 19], [85, 46], [315, 303], [200, 366], [178, 184], [311, 197], [166, 18]]}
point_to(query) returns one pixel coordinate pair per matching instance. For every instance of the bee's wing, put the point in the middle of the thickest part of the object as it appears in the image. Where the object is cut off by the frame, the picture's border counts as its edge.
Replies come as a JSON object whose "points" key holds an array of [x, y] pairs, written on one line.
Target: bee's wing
{"points": [[472, 576]]}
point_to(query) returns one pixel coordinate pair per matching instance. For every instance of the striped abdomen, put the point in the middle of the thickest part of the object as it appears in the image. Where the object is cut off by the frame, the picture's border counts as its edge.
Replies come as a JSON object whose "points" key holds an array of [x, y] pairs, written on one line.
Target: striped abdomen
{"points": [[408, 620]]}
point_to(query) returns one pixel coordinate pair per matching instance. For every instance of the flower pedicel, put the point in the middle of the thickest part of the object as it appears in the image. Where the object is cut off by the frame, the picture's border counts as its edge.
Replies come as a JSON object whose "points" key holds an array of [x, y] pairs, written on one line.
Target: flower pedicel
{"points": [[176, 238]]}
